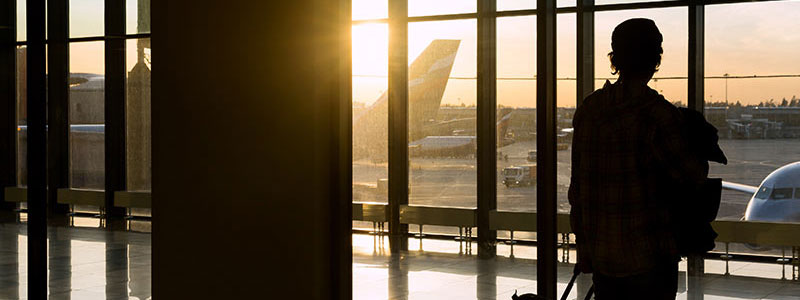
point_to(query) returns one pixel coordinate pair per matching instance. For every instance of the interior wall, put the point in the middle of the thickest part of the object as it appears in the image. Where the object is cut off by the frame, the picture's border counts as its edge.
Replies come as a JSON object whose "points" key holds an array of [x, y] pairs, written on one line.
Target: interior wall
{"points": [[249, 123]]}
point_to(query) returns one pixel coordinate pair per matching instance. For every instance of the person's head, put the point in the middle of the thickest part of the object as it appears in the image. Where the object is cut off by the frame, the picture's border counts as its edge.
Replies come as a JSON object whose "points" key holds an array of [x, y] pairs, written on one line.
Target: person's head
{"points": [[636, 48]]}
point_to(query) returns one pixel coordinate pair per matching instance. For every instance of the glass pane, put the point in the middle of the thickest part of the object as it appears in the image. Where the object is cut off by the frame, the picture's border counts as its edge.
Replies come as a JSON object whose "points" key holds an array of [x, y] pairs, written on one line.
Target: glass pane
{"points": [[758, 117], [600, 2], [515, 5], [442, 113], [370, 113], [138, 117], [22, 18], [137, 16], [86, 18], [670, 80], [440, 7], [370, 107], [22, 116], [370, 9], [504, 5], [566, 3], [566, 70], [516, 114], [87, 115]]}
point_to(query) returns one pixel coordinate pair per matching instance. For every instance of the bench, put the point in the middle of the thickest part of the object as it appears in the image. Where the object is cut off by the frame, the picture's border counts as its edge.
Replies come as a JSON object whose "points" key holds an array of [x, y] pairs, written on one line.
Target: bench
{"points": [[377, 213]]}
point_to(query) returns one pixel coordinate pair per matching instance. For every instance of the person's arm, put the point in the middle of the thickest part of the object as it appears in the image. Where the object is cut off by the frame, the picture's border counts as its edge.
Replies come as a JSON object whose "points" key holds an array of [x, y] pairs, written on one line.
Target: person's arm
{"points": [[576, 210]]}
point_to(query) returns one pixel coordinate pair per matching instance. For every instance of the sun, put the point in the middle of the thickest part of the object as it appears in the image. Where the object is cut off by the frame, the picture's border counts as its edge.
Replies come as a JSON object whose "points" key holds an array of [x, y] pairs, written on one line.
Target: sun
{"points": [[370, 49]]}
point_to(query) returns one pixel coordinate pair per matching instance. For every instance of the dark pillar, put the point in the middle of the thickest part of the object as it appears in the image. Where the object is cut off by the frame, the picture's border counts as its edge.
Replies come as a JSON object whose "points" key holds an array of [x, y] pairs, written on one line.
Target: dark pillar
{"points": [[339, 87], [487, 129], [58, 107], [546, 145], [37, 151], [115, 121], [246, 135], [8, 116], [398, 122]]}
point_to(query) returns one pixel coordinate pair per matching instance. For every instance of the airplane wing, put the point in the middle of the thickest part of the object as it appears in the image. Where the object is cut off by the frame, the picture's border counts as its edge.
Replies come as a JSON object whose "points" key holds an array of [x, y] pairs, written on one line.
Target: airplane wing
{"points": [[739, 187]]}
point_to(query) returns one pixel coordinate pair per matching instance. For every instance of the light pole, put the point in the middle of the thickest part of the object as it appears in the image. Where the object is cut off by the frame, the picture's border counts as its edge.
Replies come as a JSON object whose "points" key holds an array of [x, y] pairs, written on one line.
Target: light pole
{"points": [[726, 96], [726, 88]]}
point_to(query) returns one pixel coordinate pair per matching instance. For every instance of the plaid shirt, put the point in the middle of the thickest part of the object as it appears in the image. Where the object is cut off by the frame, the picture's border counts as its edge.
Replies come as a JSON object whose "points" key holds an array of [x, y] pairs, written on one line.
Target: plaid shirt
{"points": [[623, 153]]}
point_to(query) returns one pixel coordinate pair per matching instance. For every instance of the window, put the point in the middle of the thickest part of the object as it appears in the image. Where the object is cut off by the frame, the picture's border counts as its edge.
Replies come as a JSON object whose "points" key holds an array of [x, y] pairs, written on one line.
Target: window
{"points": [[507, 5], [137, 16], [83, 94], [516, 109], [601, 2], [370, 9], [21, 20], [503, 5], [782, 193], [22, 116], [751, 95], [87, 115], [441, 7], [86, 18], [566, 103], [370, 113], [442, 116], [763, 193], [442, 132], [137, 116]]}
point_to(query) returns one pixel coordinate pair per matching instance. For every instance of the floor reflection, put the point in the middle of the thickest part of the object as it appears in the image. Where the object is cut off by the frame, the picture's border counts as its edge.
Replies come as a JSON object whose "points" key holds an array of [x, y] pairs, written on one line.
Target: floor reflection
{"points": [[83, 263], [438, 270]]}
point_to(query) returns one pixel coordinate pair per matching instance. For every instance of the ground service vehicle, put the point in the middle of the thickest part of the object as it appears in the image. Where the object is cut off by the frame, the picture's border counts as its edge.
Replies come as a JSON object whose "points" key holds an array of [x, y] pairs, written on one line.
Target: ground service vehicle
{"points": [[531, 156], [519, 175]]}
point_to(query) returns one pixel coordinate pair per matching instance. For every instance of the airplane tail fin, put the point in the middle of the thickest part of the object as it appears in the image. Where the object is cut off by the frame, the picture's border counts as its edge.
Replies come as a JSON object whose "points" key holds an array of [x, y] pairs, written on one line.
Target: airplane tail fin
{"points": [[427, 80], [428, 76]]}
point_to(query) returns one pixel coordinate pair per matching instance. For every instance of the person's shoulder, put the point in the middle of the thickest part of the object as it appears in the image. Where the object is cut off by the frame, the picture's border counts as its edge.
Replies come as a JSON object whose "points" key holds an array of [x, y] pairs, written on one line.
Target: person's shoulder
{"points": [[597, 96], [662, 109]]}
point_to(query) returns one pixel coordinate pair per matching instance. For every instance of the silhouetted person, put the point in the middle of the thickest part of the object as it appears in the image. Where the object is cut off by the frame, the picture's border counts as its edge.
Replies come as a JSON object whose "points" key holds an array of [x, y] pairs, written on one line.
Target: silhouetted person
{"points": [[628, 141]]}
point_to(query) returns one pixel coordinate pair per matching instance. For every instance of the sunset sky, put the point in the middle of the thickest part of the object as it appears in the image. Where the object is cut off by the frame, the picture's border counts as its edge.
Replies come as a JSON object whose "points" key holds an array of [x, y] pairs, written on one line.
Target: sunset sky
{"points": [[87, 20], [741, 39]]}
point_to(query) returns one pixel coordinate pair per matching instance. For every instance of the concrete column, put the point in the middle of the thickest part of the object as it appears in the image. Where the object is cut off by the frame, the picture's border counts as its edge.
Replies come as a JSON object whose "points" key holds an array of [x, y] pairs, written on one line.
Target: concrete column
{"points": [[248, 184]]}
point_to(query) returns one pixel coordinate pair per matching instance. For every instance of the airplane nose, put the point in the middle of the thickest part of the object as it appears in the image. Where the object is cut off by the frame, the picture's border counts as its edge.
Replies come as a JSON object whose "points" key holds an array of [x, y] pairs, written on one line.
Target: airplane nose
{"points": [[771, 210]]}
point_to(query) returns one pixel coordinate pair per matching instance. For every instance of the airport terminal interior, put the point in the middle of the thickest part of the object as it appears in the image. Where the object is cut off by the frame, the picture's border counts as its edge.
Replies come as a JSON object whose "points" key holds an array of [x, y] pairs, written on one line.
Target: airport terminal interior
{"points": [[365, 149]]}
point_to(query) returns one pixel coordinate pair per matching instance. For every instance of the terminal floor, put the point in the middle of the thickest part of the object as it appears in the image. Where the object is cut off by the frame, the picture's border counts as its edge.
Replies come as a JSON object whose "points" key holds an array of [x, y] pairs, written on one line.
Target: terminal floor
{"points": [[87, 263], [445, 270], [84, 263]]}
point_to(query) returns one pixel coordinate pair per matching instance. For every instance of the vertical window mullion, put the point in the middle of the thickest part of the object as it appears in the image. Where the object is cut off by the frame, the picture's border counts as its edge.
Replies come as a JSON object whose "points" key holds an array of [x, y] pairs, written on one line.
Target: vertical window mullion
{"points": [[585, 50], [8, 130], [115, 80], [696, 74], [37, 151], [486, 118], [57, 102], [398, 122], [546, 148], [696, 90]]}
